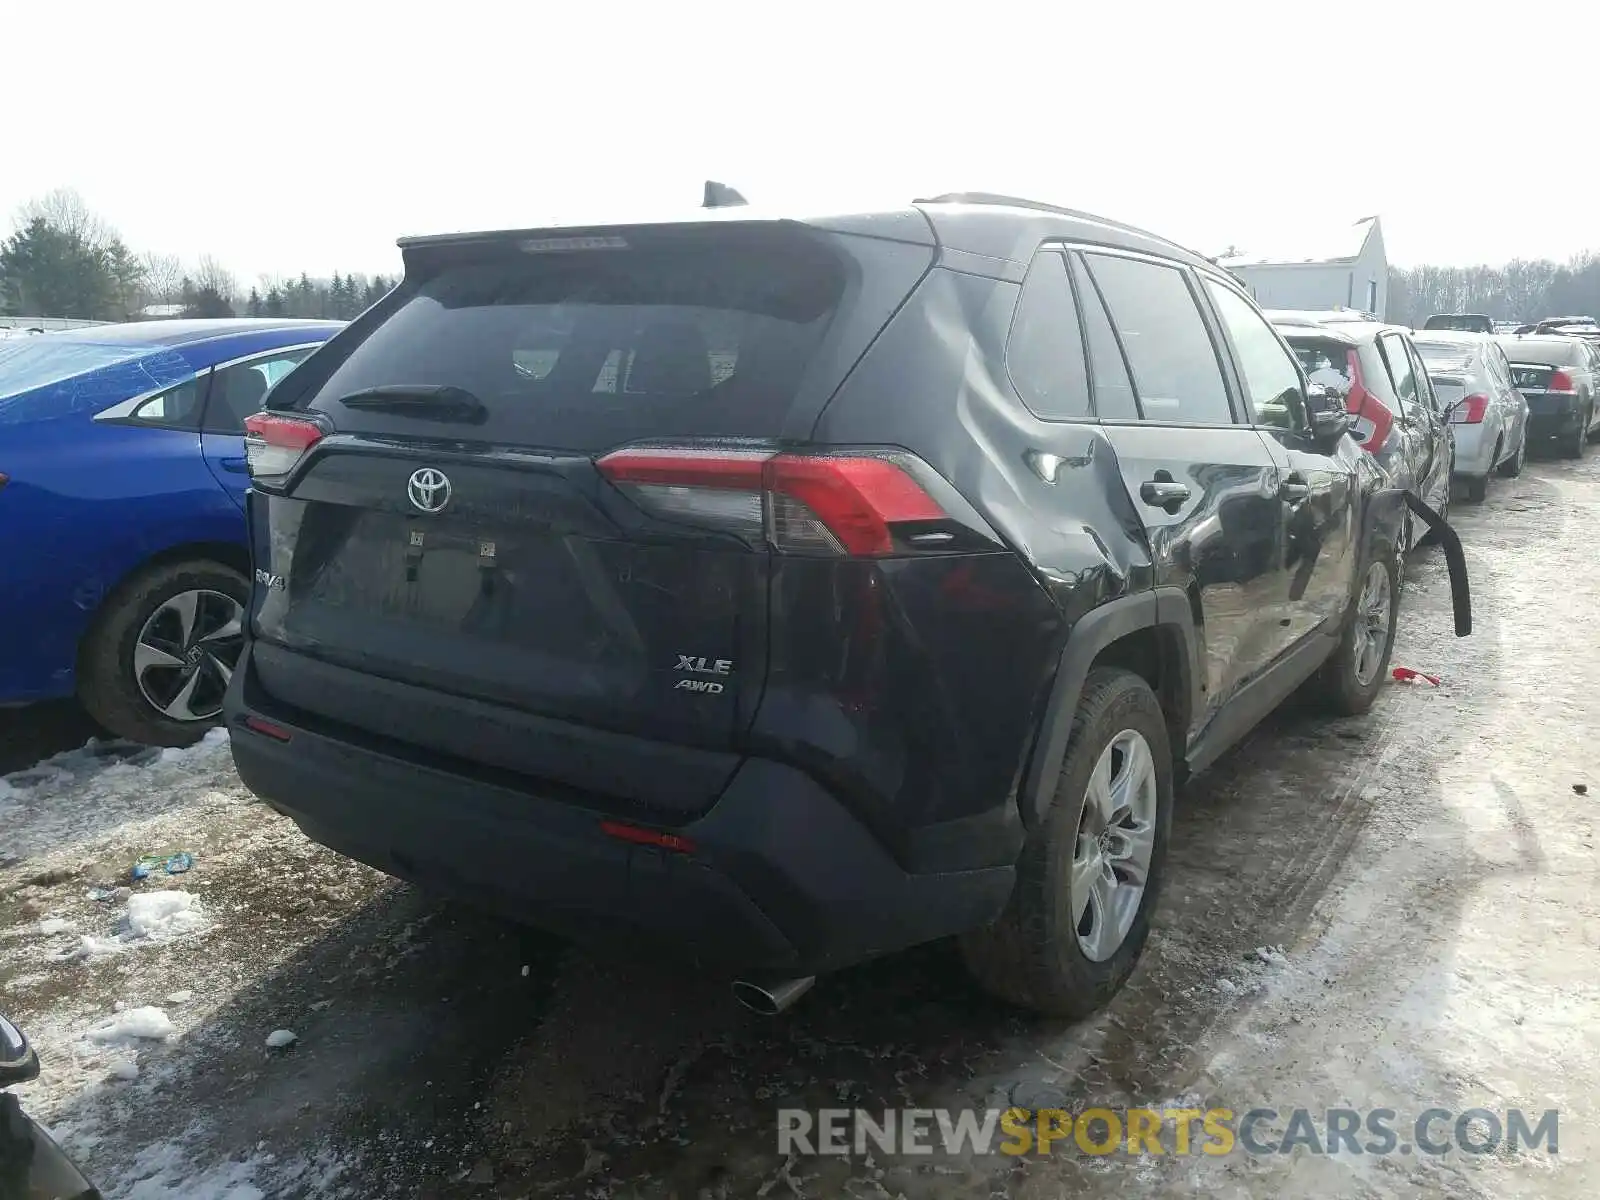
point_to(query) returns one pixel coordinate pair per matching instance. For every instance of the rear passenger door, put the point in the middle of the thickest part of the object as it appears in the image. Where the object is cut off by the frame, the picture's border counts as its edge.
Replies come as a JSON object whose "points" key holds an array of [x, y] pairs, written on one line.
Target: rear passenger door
{"points": [[1204, 483]]}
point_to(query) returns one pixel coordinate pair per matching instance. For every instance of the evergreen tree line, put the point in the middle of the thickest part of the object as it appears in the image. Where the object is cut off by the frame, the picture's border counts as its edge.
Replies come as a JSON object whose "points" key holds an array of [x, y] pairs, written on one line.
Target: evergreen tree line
{"points": [[1521, 290], [62, 260]]}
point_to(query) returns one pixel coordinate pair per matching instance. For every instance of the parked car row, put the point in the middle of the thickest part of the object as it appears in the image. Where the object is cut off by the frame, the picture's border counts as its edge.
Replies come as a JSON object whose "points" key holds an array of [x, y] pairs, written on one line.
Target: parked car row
{"points": [[1454, 400]]}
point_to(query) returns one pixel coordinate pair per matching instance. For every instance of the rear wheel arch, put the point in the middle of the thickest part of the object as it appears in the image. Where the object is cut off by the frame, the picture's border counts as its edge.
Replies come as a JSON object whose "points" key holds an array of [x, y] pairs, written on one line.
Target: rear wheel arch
{"points": [[228, 554], [1150, 634]]}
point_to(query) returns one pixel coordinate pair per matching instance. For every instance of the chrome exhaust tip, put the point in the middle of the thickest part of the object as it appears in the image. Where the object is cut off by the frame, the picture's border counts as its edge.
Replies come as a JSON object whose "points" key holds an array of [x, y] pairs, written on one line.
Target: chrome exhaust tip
{"points": [[770, 999]]}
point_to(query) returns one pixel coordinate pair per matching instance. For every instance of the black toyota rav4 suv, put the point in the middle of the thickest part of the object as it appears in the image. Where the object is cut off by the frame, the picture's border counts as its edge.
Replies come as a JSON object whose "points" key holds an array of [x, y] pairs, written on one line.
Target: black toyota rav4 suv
{"points": [[792, 591]]}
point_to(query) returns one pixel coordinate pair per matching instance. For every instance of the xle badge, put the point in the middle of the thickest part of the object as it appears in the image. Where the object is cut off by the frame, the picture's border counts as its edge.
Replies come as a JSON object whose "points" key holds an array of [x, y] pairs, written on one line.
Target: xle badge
{"points": [[702, 666]]}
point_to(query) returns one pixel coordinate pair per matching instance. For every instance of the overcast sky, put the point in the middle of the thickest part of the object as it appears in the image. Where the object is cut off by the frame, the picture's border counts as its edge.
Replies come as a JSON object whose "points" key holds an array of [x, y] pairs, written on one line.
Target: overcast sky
{"points": [[281, 136]]}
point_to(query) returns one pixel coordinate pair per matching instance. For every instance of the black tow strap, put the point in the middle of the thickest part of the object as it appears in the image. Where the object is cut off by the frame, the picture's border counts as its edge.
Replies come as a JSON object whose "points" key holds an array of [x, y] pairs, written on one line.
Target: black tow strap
{"points": [[1460, 591]]}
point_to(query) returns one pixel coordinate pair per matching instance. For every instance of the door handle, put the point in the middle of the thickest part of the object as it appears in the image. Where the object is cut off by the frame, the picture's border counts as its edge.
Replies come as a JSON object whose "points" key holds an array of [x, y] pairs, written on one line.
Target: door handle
{"points": [[237, 465], [1294, 488], [1163, 493]]}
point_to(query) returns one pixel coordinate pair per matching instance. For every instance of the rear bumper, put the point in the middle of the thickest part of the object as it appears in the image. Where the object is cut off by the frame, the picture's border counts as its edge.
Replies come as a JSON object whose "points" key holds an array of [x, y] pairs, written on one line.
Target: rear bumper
{"points": [[1474, 449], [1553, 416], [782, 877]]}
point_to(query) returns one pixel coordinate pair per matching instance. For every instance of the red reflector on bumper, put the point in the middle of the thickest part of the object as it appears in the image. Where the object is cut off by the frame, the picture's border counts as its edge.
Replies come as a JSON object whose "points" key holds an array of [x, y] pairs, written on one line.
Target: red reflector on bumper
{"points": [[646, 837], [267, 729]]}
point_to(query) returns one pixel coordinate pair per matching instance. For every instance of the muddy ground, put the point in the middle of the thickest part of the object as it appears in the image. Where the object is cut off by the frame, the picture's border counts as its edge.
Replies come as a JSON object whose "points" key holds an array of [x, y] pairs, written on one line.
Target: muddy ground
{"points": [[1399, 911]]}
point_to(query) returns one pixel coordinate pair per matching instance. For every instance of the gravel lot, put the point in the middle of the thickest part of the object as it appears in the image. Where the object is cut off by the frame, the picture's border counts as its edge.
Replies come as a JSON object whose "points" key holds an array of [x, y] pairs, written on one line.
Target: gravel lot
{"points": [[1399, 911]]}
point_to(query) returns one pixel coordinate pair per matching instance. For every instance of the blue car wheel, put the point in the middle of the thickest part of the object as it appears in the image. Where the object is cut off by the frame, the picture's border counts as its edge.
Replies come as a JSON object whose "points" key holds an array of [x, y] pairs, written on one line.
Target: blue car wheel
{"points": [[158, 660]]}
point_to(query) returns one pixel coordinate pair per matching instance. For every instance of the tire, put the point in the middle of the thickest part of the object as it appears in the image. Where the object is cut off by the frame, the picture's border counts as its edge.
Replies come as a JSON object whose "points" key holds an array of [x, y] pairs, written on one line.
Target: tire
{"points": [[1477, 487], [1512, 467], [1578, 442], [1034, 956], [148, 611], [1348, 689]]}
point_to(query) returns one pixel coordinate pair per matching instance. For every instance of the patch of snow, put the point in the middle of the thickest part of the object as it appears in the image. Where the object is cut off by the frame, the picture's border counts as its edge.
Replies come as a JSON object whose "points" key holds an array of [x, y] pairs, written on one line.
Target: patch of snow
{"points": [[123, 1068], [144, 1022], [90, 946], [1273, 956], [217, 736], [163, 915], [151, 917], [182, 996], [54, 925], [167, 1171], [279, 1038]]}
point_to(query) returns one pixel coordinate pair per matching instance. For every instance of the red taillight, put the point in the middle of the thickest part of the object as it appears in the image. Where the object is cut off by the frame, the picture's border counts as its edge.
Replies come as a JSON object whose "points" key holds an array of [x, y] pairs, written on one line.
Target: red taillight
{"points": [[639, 836], [1469, 410], [4, 479], [267, 729], [1560, 381], [832, 504], [275, 442], [1373, 418]]}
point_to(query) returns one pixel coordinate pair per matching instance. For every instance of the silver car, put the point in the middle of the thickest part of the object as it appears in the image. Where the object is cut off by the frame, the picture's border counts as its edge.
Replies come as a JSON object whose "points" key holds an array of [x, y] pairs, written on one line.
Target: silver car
{"points": [[1472, 385]]}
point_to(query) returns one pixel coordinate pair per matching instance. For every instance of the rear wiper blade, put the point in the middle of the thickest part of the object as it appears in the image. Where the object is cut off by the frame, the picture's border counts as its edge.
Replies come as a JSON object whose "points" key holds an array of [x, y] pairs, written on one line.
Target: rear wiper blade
{"points": [[435, 401]]}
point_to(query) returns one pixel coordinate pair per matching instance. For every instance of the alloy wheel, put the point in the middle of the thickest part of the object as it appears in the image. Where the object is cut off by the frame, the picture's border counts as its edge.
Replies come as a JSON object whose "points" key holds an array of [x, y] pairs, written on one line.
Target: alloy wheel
{"points": [[186, 653], [1374, 612], [1116, 838]]}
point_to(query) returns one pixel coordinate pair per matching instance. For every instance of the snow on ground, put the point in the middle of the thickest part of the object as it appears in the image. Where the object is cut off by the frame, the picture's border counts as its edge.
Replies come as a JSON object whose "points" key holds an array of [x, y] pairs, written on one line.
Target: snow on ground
{"points": [[120, 982], [1396, 911]]}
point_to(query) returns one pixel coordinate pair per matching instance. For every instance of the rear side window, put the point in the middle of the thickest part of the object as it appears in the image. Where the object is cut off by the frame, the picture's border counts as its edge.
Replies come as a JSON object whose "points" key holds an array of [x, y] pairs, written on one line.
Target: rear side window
{"points": [[1326, 364], [176, 408], [1168, 348], [584, 350], [1045, 352], [1405, 380], [1113, 386]]}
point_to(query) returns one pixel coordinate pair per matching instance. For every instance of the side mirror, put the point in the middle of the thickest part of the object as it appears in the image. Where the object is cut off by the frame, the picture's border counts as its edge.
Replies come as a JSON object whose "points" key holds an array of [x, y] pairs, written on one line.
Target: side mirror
{"points": [[18, 1060], [1328, 425]]}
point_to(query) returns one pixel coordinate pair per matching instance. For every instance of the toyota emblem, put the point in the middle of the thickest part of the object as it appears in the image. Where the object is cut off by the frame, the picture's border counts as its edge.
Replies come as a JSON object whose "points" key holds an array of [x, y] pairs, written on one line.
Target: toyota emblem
{"points": [[429, 490]]}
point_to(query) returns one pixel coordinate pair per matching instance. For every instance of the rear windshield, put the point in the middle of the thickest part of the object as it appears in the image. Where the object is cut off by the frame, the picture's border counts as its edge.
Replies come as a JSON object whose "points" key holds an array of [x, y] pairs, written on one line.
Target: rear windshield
{"points": [[1446, 356], [1460, 321], [585, 350], [1327, 363], [43, 359], [1558, 354]]}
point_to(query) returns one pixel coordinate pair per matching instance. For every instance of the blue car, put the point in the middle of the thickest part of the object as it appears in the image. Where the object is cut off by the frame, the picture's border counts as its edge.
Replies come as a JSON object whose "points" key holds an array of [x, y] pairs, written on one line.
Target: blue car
{"points": [[122, 529]]}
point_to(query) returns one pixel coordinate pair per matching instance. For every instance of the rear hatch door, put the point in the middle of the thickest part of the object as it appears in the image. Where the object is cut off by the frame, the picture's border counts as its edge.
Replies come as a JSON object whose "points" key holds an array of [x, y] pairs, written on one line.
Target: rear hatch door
{"points": [[457, 529]]}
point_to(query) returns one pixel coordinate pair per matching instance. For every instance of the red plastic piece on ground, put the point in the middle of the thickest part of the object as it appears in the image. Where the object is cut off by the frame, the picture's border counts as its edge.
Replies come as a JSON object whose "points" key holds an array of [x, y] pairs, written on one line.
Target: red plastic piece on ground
{"points": [[1406, 675]]}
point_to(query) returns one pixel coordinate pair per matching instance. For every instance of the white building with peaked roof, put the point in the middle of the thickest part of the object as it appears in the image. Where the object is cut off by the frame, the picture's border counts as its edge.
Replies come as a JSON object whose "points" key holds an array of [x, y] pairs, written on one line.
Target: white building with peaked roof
{"points": [[1337, 268]]}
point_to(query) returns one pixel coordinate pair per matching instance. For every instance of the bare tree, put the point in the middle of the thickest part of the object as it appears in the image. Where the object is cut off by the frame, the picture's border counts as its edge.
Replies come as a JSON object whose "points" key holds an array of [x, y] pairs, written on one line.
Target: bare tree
{"points": [[163, 278], [65, 210], [214, 276]]}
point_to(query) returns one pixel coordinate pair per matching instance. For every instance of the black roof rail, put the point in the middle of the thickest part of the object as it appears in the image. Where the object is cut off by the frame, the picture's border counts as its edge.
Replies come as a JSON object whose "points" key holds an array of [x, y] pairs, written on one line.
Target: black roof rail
{"points": [[1040, 206]]}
